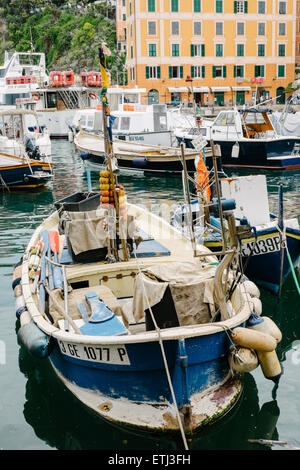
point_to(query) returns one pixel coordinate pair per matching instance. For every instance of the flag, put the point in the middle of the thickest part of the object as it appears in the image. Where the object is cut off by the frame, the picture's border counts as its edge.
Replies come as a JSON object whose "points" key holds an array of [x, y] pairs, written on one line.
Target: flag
{"points": [[105, 78]]}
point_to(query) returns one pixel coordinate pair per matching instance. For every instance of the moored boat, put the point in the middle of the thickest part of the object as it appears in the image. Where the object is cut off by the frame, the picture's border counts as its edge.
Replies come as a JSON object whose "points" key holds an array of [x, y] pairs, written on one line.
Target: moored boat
{"points": [[136, 156], [248, 139], [138, 323], [23, 173]]}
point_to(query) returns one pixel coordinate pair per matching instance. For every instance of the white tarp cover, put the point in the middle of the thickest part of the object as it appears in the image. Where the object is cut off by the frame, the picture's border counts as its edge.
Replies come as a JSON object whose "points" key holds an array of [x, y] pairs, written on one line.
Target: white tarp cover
{"points": [[291, 125], [191, 285]]}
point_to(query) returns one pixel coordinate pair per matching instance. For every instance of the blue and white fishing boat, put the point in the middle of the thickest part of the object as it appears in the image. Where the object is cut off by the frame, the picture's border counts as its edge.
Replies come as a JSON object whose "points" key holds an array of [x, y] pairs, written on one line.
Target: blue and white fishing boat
{"points": [[17, 173], [272, 251], [140, 324]]}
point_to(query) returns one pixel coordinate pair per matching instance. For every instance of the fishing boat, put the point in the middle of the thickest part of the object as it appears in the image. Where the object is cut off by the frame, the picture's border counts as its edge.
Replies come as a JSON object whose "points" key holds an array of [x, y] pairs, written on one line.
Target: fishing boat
{"points": [[23, 172], [248, 139], [135, 156], [140, 324], [272, 251]]}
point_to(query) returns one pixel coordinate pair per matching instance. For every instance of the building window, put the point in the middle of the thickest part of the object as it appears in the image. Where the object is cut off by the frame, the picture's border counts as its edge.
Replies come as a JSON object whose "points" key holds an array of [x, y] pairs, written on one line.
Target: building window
{"points": [[219, 71], [240, 50], [151, 5], [131, 52], [219, 6], [197, 6], [240, 29], [197, 28], [152, 50], [219, 29], [124, 17], [241, 7], [130, 9], [261, 50], [261, 7], [281, 71], [175, 50], [174, 5], [152, 28], [175, 28], [132, 73], [238, 71], [261, 29], [176, 72], [281, 50], [131, 30], [123, 3], [281, 29], [282, 8], [259, 71], [198, 71], [198, 50], [219, 50], [152, 72]]}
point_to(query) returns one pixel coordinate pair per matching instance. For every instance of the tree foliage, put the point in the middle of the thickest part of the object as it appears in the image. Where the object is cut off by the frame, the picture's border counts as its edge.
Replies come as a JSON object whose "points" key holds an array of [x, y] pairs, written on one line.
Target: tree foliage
{"points": [[68, 32]]}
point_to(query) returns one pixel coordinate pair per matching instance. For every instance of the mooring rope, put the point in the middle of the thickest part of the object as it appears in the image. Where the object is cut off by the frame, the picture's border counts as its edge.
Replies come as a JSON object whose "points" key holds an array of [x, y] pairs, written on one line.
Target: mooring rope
{"points": [[163, 355]]}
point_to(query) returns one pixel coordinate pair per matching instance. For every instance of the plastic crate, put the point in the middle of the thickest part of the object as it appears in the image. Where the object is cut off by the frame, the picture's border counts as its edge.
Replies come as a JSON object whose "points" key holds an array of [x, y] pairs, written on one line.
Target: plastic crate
{"points": [[79, 202]]}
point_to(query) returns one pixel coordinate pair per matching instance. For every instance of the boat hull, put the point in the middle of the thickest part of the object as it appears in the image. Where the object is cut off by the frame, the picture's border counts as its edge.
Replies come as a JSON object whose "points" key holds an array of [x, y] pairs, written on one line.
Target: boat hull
{"points": [[22, 177], [125, 389], [162, 164], [269, 154]]}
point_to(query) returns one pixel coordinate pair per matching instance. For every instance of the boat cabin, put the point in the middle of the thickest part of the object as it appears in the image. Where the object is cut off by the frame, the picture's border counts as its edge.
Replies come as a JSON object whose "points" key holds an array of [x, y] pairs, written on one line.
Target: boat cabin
{"points": [[242, 124]]}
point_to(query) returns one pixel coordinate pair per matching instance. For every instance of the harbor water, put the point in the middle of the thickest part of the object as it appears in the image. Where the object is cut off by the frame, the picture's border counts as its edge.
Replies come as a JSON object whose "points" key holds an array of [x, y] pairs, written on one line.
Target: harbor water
{"points": [[38, 413]]}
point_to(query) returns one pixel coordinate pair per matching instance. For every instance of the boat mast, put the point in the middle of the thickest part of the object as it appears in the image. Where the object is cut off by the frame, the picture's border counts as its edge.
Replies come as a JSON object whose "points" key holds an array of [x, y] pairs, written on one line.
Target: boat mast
{"points": [[108, 147]]}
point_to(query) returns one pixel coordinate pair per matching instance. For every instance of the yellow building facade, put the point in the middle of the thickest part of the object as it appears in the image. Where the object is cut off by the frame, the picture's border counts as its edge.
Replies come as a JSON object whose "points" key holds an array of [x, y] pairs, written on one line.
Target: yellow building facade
{"points": [[222, 51]]}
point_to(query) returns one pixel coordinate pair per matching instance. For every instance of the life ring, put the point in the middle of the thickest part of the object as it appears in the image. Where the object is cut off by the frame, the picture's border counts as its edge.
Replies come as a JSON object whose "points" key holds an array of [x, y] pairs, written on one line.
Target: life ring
{"points": [[93, 96], [35, 96], [69, 77]]}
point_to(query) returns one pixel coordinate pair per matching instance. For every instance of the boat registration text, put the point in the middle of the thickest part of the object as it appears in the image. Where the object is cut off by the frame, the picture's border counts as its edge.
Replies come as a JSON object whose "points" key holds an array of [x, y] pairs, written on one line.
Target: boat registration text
{"points": [[106, 354], [262, 246]]}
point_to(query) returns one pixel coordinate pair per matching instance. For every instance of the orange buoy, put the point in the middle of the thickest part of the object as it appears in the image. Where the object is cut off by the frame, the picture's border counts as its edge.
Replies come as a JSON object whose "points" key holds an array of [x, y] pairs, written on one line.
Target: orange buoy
{"points": [[253, 339], [270, 365]]}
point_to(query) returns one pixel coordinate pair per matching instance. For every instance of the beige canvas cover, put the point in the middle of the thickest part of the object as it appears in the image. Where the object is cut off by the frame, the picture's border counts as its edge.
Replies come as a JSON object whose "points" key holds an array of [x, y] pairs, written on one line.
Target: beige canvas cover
{"points": [[191, 285], [89, 230]]}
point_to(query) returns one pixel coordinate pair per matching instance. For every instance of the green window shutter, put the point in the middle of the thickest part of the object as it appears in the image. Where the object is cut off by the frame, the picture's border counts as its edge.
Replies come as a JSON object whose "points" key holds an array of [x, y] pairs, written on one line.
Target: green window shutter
{"points": [[214, 71], [234, 7], [203, 50], [234, 71], [181, 71], [147, 72], [262, 70], [192, 71], [256, 71], [203, 71], [174, 5], [151, 5], [170, 72], [158, 71], [246, 7], [197, 6], [281, 71], [192, 50], [242, 71], [224, 71]]}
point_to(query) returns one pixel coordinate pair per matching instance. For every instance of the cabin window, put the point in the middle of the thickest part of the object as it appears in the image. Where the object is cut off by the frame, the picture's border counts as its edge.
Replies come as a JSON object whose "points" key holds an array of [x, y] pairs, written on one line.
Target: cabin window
{"points": [[125, 123], [153, 97], [131, 98], [116, 123], [10, 98], [51, 100], [12, 126], [225, 119]]}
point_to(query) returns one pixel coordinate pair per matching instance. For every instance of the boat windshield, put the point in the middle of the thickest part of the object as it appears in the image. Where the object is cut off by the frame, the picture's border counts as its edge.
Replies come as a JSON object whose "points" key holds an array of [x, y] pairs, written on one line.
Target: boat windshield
{"points": [[116, 123], [11, 126], [225, 119], [125, 123]]}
